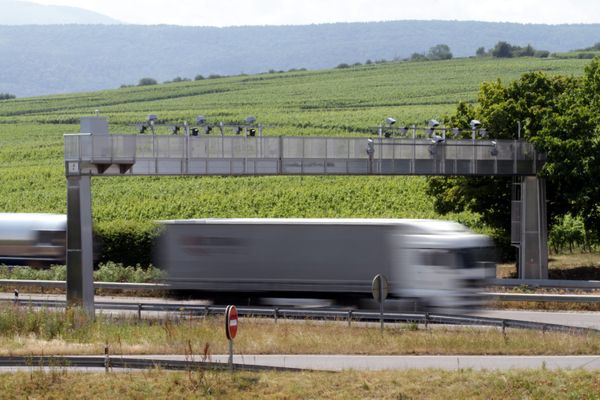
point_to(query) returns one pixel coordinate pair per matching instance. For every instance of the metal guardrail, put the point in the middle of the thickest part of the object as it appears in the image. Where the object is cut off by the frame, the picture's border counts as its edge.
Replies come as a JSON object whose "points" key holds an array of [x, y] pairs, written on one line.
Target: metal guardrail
{"points": [[545, 283], [491, 296], [560, 298], [128, 363], [319, 314]]}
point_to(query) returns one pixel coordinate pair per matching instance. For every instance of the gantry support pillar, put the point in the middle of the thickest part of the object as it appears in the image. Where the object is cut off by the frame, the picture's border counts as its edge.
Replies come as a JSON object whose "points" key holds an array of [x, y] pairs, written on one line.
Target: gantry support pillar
{"points": [[531, 229], [80, 257], [80, 260]]}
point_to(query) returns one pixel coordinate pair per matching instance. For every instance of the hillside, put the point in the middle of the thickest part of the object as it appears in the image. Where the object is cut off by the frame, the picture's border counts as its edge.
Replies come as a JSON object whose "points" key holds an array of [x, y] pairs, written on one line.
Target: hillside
{"points": [[328, 102], [14, 12], [37, 60]]}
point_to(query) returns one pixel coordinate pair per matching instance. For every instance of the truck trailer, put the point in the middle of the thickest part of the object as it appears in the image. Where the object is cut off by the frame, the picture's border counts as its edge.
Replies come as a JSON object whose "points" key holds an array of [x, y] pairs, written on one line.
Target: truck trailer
{"points": [[436, 264]]}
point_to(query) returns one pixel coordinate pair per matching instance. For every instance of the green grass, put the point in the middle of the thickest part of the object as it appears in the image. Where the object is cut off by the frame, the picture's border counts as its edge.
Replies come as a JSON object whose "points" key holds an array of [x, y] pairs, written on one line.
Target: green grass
{"points": [[328, 102], [415, 384]]}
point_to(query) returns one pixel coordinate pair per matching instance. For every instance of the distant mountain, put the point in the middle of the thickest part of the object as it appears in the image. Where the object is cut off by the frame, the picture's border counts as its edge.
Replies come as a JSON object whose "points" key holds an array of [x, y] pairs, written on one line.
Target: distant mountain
{"points": [[14, 12], [36, 60]]}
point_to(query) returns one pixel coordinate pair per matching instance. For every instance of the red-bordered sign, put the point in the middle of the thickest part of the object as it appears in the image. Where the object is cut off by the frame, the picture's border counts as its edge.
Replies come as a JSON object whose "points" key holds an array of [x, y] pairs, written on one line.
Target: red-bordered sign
{"points": [[231, 322]]}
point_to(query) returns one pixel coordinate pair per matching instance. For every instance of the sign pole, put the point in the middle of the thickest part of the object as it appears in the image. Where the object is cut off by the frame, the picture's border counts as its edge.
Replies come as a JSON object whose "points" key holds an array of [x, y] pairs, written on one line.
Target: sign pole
{"points": [[379, 289], [230, 355], [231, 326], [381, 299]]}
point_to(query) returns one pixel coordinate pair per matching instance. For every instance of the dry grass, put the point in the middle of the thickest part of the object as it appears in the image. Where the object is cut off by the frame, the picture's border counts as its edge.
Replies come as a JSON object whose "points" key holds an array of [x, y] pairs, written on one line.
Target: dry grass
{"points": [[419, 384], [25, 332], [576, 266]]}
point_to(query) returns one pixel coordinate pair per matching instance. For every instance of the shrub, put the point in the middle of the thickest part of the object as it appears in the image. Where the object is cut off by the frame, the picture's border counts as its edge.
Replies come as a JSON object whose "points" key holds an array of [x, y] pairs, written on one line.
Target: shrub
{"points": [[343, 66], [568, 231], [147, 82], [116, 272], [126, 242], [7, 96], [418, 57]]}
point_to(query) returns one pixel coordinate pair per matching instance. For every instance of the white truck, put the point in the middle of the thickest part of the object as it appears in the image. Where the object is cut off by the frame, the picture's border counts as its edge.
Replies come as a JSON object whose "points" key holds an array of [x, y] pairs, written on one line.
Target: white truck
{"points": [[437, 264]]}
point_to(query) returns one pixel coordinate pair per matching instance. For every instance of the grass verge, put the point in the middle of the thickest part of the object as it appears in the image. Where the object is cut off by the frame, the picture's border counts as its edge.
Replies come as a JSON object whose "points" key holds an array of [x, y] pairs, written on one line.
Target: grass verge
{"points": [[24, 331], [429, 384]]}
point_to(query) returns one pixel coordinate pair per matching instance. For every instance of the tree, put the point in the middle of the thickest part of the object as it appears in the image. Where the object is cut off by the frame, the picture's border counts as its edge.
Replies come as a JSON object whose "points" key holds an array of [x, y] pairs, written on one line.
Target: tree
{"points": [[481, 52], [527, 51], [418, 57], [7, 96], [559, 115], [439, 52], [502, 50], [147, 82]]}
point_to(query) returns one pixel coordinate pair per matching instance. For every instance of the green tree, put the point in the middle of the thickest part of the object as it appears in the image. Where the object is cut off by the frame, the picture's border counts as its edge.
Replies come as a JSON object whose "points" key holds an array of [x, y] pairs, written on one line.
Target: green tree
{"points": [[560, 116], [481, 52], [502, 50], [439, 52]]}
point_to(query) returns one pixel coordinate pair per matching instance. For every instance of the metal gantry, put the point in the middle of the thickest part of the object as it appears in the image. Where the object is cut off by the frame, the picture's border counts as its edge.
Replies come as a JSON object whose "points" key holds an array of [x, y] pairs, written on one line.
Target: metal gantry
{"points": [[95, 152]]}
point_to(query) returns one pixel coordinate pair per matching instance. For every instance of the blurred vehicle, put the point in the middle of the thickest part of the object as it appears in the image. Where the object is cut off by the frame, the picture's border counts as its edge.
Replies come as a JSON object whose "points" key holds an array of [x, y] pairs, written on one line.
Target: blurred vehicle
{"points": [[436, 264], [33, 239]]}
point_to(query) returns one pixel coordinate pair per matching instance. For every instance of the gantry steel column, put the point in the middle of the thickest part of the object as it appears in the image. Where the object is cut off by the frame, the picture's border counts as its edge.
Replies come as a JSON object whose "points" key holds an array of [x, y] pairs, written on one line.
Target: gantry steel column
{"points": [[533, 246], [80, 258], [80, 261]]}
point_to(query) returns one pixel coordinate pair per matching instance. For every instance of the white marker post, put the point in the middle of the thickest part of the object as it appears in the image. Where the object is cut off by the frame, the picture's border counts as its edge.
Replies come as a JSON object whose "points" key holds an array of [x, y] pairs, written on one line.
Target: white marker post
{"points": [[231, 327]]}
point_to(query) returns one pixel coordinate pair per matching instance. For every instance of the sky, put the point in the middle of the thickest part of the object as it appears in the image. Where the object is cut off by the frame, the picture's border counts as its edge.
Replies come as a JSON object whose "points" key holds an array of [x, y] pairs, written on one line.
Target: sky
{"points": [[299, 12]]}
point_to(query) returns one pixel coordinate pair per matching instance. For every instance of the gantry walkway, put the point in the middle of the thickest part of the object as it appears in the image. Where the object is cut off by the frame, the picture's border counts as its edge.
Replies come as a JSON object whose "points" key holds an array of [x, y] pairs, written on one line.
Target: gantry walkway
{"points": [[109, 155]]}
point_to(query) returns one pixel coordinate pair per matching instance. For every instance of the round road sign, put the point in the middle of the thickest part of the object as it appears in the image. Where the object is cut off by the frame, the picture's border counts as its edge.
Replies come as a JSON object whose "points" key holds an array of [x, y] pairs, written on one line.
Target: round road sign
{"points": [[231, 322], [379, 288]]}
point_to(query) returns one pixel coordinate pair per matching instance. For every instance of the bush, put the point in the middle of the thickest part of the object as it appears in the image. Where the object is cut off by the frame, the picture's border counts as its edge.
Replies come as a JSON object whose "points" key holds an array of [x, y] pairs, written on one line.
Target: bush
{"points": [[108, 272], [343, 66], [568, 231], [198, 77], [180, 79], [126, 242], [54, 273], [418, 57], [541, 54], [116, 272], [7, 96], [147, 82]]}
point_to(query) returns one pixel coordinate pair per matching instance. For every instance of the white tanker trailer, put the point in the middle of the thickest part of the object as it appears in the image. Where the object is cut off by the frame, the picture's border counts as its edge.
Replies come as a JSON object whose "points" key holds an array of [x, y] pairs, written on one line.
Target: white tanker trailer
{"points": [[437, 264], [32, 239]]}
